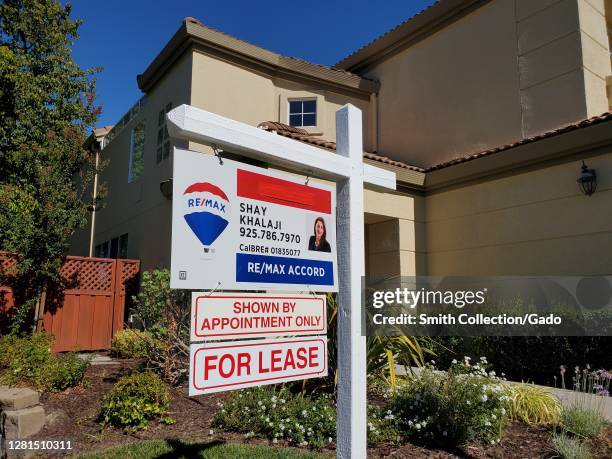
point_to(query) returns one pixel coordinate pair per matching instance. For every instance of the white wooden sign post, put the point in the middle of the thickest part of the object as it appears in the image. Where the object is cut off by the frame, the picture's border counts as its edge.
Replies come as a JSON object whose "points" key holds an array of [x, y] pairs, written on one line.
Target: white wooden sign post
{"points": [[351, 175]]}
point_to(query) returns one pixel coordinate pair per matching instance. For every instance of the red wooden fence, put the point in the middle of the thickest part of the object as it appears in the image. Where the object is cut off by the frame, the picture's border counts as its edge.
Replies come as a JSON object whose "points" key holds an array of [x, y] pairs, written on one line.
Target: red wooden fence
{"points": [[90, 307]]}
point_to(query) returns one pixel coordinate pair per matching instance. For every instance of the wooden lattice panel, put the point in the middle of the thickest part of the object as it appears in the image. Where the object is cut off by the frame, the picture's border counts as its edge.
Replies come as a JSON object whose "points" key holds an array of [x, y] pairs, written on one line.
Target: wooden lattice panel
{"points": [[8, 263], [129, 270], [91, 275]]}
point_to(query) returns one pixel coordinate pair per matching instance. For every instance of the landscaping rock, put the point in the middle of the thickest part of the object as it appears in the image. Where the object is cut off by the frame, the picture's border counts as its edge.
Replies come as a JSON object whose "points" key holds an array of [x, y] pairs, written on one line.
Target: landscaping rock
{"points": [[22, 423], [13, 398]]}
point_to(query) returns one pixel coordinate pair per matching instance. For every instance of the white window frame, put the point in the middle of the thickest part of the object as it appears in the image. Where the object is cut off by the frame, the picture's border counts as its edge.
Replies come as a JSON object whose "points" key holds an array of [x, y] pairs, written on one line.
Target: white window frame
{"points": [[303, 99]]}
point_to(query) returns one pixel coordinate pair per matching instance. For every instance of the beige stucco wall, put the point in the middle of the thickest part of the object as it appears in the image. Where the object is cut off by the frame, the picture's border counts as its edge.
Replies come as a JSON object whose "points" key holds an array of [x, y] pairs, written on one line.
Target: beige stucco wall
{"points": [[535, 222], [225, 88], [249, 96], [394, 234], [138, 208], [508, 70]]}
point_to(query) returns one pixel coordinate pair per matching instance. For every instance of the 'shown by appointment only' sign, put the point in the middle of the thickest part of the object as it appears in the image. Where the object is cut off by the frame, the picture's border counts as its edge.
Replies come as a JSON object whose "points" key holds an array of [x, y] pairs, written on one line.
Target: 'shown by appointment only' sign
{"points": [[235, 316], [240, 227]]}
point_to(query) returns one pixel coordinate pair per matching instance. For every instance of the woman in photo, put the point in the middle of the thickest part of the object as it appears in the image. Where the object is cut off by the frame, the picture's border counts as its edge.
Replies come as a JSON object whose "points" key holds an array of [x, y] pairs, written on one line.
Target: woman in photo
{"points": [[318, 241]]}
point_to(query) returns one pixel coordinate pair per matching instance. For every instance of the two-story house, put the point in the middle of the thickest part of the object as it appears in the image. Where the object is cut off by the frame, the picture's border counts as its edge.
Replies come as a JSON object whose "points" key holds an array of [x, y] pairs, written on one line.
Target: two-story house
{"points": [[485, 109]]}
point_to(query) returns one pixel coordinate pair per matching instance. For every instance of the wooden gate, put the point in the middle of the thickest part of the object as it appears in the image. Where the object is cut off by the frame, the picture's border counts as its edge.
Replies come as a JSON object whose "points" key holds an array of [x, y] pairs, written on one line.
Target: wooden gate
{"points": [[88, 307]]}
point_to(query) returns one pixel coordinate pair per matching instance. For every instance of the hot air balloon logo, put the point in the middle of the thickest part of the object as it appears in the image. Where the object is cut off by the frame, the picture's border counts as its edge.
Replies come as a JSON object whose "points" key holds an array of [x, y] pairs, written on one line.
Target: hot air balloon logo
{"points": [[206, 211]]}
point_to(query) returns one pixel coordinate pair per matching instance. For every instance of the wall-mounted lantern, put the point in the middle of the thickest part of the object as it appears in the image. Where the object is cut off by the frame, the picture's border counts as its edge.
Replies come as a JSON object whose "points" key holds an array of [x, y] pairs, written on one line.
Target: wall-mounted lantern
{"points": [[587, 180]]}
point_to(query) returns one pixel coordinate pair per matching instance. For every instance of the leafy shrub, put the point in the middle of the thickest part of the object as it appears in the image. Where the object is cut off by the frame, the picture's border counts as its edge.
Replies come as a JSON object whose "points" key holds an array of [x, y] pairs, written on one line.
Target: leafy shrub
{"points": [[569, 448], [581, 421], [532, 404], [382, 425], [62, 372], [134, 401], [131, 344], [165, 314], [156, 297], [278, 414], [451, 408], [30, 360]]}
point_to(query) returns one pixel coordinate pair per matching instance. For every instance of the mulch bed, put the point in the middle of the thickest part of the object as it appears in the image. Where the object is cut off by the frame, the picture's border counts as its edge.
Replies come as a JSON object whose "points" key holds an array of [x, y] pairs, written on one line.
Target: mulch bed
{"points": [[71, 415]]}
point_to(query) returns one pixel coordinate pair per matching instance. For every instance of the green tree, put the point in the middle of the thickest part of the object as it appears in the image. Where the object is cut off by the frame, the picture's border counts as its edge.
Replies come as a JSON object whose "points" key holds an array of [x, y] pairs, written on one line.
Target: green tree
{"points": [[46, 110]]}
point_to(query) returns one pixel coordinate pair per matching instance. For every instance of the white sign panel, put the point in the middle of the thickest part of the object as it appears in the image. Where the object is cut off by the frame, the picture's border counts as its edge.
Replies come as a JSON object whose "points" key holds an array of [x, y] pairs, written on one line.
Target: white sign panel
{"points": [[222, 366], [240, 227], [232, 316]]}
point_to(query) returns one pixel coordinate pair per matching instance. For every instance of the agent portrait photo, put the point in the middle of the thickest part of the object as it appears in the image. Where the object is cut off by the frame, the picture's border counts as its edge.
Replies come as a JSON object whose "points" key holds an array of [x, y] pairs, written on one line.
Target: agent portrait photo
{"points": [[318, 241]]}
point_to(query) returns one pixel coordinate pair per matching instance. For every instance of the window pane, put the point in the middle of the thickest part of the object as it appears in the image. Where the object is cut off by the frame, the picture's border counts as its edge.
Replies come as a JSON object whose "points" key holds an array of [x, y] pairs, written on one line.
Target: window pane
{"points": [[166, 132], [114, 247], [160, 118], [160, 136], [310, 120], [98, 251], [295, 106], [158, 156], [168, 107], [310, 106], [104, 251], [123, 246], [166, 149], [136, 164], [295, 120]]}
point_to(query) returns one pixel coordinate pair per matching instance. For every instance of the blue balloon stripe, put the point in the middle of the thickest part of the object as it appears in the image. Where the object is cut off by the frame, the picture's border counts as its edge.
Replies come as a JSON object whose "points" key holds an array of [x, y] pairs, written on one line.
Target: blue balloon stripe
{"points": [[206, 226]]}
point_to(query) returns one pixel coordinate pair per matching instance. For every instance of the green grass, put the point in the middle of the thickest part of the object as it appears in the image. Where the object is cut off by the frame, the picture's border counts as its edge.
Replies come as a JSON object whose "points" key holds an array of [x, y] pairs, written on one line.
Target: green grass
{"points": [[173, 448]]}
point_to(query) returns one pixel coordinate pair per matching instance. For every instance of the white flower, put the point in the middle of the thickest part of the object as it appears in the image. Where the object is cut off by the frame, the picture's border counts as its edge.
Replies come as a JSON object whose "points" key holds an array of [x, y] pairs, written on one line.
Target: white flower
{"points": [[259, 402], [304, 413], [453, 362], [485, 398], [211, 432], [273, 399], [418, 426], [329, 440], [274, 440], [487, 423]]}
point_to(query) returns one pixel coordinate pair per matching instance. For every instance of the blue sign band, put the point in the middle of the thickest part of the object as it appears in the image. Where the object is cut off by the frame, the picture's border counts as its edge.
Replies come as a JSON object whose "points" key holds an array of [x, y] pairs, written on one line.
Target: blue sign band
{"points": [[283, 270]]}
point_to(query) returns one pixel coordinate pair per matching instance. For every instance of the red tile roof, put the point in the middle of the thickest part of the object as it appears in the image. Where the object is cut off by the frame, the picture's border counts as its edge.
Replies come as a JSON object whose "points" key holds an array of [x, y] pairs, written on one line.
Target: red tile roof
{"points": [[312, 138], [570, 127]]}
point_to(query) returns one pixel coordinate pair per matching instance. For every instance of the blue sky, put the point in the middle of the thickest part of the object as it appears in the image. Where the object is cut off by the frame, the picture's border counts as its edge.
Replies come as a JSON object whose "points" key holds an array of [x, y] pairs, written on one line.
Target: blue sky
{"points": [[123, 37]]}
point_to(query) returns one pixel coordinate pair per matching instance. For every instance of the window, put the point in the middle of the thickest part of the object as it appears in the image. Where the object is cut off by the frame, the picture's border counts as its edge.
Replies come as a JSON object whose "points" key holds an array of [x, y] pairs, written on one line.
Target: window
{"points": [[114, 247], [136, 164], [101, 250], [117, 247], [163, 140], [123, 246], [303, 112]]}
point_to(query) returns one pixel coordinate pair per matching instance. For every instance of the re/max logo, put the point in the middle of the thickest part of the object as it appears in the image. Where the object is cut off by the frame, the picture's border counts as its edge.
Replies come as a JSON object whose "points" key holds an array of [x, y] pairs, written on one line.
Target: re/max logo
{"points": [[212, 203]]}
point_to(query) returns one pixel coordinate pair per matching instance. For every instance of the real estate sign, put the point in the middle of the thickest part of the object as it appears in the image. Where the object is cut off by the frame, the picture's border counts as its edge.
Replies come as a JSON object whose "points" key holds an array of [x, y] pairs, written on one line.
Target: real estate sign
{"points": [[221, 366], [217, 316], [241, 227]]}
